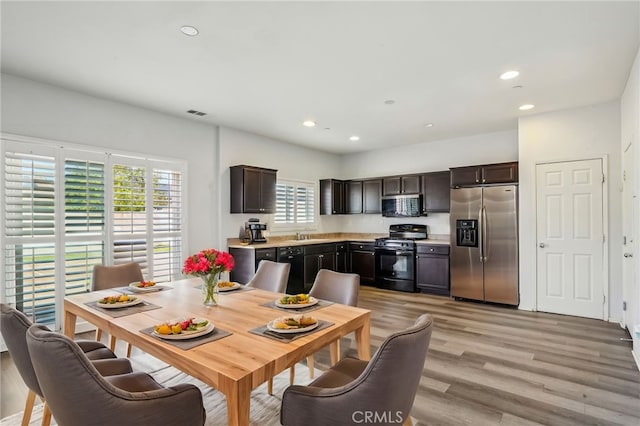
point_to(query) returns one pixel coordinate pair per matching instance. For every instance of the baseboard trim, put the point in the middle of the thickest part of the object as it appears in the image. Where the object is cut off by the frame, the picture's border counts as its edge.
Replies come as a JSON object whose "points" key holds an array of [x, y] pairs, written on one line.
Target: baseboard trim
{"points": [[636, 357]]}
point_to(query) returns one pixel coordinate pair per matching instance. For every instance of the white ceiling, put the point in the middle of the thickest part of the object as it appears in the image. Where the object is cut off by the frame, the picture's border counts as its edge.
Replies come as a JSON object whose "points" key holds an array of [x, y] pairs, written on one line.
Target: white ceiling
{"points": [[267, 66]]}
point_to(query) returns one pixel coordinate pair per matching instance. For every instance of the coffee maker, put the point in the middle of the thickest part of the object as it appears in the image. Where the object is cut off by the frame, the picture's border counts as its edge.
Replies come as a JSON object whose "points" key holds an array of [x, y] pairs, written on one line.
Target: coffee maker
{"points": [[253, 231]]}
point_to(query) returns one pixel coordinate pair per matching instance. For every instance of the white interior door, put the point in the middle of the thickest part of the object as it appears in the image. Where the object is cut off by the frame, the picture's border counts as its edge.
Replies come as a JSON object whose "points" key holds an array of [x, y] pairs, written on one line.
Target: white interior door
{"points": [[570, 276], [628, 228]]}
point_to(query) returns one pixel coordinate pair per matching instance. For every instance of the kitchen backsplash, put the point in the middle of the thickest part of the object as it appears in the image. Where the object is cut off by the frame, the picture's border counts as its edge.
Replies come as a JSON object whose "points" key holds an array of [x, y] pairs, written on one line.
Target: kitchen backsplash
{"points": [[437, 223]]}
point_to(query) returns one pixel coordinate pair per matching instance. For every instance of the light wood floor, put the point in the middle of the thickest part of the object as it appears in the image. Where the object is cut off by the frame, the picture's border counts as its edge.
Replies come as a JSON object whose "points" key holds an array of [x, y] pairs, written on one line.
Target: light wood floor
{"points": [[490, 365]]}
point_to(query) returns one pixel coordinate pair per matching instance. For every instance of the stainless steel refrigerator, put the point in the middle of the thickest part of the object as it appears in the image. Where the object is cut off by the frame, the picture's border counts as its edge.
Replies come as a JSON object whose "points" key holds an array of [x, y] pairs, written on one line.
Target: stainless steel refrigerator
{"points": [[484, 243]]}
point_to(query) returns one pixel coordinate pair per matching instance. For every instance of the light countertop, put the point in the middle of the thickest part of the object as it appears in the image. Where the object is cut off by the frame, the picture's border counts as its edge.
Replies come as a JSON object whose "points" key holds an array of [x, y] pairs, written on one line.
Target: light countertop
{"points": [[275, 242]]}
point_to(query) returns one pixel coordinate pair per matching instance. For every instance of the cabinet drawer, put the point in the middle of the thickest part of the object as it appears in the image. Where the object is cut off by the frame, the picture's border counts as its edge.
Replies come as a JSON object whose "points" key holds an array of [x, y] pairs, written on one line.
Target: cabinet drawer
{"points": [[319, 248], [364, 246], [432, 249], [341, 247]]}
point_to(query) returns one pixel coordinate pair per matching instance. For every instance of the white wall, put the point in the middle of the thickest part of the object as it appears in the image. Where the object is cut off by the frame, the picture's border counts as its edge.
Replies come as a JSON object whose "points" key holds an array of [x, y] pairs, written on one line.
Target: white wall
{"points": [[424, 157], [588, 132], [630, 132], [34, 109], [292, 162]]}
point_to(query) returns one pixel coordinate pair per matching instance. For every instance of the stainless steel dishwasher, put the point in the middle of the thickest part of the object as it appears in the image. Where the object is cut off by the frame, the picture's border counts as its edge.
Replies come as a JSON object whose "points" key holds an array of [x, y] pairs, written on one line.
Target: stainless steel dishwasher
{"points": [[294, 256]]}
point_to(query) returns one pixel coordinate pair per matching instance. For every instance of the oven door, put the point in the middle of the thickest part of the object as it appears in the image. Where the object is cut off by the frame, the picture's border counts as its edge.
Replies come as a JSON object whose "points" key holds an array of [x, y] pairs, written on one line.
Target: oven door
{"points": [[395, 268]]}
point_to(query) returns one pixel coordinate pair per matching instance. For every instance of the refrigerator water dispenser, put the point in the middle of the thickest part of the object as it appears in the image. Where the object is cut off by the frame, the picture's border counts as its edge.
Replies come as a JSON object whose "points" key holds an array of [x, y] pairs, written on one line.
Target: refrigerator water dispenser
{"points": [[467, 233]]}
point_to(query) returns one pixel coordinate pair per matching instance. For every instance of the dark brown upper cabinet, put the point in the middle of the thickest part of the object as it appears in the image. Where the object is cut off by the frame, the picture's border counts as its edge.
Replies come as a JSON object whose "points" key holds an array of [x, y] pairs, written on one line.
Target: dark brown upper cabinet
{"points": [[372, 192], [484, 174], [332, 196], [353, 196], [435, 192], [394, 185], [253, 189]]}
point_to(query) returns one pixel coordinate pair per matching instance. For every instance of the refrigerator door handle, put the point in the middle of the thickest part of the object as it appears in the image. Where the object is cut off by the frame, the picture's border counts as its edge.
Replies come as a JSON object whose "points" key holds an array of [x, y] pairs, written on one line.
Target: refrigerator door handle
{"points": [[484, 233], [480, 235]]}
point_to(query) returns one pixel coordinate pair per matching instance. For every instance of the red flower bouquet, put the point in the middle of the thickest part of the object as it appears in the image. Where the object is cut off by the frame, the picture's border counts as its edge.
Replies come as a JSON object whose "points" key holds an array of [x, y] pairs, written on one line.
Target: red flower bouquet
{"points": [[209, 264]]}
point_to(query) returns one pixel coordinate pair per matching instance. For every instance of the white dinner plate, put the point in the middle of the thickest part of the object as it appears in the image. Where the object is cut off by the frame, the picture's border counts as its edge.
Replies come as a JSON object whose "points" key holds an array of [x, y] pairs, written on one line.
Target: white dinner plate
{"points": [[135, 287], [234, 287], [120, 304], [312, 301], [186, 334], [291, 330]]}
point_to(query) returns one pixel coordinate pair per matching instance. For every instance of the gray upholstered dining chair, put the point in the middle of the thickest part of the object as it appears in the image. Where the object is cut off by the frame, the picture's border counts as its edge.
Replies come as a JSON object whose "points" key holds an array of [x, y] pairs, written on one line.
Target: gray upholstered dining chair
{"points": [[106, 277], [14, 325], [92, 399], [386, 385], [271, 276], [336, 287]]}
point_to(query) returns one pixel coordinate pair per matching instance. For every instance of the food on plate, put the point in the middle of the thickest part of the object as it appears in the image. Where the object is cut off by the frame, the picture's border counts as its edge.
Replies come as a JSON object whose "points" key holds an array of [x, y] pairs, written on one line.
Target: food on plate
{"points": [[225, 284], [143, 284], [294, 321], [120, 298], [180, 326], [297, 299]]}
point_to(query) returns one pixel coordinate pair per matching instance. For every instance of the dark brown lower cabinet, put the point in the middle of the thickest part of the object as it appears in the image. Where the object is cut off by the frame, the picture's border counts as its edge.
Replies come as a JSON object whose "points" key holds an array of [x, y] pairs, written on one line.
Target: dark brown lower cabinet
{"points": [[341, 257], [432, 269], [246, 262], [362, 262], [316, 257]]}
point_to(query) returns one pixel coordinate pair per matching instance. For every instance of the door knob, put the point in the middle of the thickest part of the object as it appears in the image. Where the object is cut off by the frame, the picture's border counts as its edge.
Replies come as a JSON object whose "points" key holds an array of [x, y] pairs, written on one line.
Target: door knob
{"points": [[541, 245], [628, 255]]}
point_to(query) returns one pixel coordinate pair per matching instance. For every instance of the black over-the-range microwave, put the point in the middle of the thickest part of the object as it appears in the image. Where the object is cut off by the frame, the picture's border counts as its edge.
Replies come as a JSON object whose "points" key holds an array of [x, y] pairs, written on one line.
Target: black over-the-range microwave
{"points": [[404, 205]]}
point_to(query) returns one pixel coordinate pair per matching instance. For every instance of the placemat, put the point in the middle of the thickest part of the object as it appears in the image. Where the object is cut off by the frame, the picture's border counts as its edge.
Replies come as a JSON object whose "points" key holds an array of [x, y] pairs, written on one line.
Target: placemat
{"points": [[216, 334], [319, 305], [121, 312], [126, 290], [286, 338]]}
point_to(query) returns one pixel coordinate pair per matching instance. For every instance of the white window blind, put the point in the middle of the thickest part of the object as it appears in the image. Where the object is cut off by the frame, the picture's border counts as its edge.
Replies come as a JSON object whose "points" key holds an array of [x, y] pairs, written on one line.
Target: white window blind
{"points": [[68, 209], [295, 204], [167, 223], [129, 214]]}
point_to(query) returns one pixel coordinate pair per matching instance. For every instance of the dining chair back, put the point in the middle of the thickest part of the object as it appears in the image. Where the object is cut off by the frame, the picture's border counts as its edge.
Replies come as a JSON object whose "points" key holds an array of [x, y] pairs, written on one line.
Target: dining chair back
{"points": [[336, 287], [385, 386], [14, 325], [271, 276], [106, 277], [78, 395]]}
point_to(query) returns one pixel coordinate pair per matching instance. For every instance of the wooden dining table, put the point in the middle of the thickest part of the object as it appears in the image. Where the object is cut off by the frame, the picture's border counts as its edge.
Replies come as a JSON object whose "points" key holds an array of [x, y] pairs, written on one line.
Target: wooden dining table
{"points": [[236, 364]]}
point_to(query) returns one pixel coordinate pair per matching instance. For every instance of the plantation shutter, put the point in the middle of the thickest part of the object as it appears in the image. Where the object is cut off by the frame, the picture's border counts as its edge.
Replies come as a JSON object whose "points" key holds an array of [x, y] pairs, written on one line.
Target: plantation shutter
{"points": [[84, 207], [129, 214], [66, 210], [285, 201], [167, 224], [295, 203], [305, 204], [30, 228]]}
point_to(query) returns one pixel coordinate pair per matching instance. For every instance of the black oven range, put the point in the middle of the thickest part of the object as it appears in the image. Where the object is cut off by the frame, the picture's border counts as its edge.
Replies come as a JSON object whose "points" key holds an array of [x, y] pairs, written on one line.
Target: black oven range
{"points": [[395, 257]]}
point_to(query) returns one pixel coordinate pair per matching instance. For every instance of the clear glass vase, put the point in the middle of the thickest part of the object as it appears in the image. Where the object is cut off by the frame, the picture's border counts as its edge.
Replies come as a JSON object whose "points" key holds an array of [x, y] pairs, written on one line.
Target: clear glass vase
{"points": [[210, 289]]}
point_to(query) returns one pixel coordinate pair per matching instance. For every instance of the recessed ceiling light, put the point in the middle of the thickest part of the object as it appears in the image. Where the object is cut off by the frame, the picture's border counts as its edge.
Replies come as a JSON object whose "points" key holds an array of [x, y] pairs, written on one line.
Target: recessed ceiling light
{"points": [[309, 123], [428, 125], [389, 102], [354, 138], [189, 30], [526, 107], [508, 75]]}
